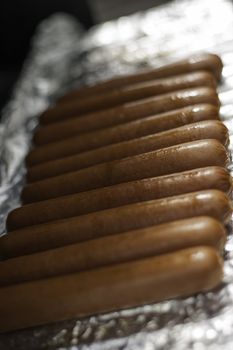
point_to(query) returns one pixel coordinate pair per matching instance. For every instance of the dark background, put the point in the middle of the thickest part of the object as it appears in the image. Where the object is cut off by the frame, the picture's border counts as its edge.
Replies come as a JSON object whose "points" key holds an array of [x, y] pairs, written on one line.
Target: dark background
{"points": [[18, 20]]}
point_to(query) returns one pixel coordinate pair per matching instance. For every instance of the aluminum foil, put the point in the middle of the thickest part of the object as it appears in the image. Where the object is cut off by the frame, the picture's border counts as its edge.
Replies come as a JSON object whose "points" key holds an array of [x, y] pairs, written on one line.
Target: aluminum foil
{"points": [[63, 56]]}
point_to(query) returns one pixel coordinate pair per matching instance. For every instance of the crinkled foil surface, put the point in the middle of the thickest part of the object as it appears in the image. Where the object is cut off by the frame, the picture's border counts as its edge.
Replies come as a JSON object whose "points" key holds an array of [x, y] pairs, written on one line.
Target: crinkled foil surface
{"points": [[62, 56]]}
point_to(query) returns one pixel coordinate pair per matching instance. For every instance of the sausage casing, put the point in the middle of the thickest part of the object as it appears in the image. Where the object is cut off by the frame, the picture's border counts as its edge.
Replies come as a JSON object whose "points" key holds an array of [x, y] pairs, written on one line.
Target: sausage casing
{"points": [[209, 129], [127, 94], [168, 160], [125, 113], [58, 233], [114, 249], [128, 131], [123, 132], [121, 194], [110, 288], [206, 61]]}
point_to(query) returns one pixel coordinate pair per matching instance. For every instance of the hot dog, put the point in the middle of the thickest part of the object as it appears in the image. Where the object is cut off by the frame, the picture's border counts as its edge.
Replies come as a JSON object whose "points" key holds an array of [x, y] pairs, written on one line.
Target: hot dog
{"points": [[146, 126], [197, 131], [122, 194], [110, 288], [127, 94], [123, 132], [58, 233], [168, 160], [206, 61], [114, 249], [125, 113]]}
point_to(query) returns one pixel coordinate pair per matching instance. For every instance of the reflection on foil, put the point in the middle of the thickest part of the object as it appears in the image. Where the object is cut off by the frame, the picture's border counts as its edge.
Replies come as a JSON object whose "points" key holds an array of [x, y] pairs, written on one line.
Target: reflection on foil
{"points": [[63, 57]]}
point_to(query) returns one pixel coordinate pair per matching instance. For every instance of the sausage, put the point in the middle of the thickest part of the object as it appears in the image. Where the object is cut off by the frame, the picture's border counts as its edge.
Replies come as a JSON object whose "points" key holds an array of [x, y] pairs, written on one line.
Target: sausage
{"points": [[126, 94], [122, 132], [59, 233], [209, 129], [121, 194], [164, 161], [206, 61], [110, 288], [125, 113], [114, 249]]}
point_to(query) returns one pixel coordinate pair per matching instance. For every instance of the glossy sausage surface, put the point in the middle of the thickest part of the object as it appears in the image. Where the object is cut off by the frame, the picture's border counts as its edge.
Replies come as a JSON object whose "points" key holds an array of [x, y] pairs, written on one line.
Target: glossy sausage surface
{"points": [[110, 288], [114, 249], [165, 161], [209, 129], [125, 113], [121, 194], [134, 129], [127, 94], [58, 233], [123, 132], [205, 61]]}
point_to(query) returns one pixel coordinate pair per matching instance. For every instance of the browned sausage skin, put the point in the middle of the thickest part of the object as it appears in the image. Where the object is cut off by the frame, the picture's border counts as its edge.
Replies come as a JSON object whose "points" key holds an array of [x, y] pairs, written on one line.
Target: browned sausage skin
{"points": [[121, 194], [128, 131], [58, 233], [168, 160], [210, 129], [127, 94], [126, 113], [137, 244], [123, 132], [206, 61], [110, 288]]}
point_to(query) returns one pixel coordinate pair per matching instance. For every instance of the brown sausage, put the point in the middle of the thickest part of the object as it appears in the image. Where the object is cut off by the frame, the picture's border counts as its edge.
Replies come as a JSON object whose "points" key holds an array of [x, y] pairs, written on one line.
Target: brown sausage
{"points": [[122, 194], [209, 129], [134, 129], [125, 113], [123, 132], [206, 61], [115, 249], [110, 288], [165, 161], [126, 94], [58, 233]]}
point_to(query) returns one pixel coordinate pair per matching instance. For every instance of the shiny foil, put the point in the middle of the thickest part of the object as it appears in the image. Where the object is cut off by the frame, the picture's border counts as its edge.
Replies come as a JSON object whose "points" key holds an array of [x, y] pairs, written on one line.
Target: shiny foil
{"points": [[63, 56]]}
